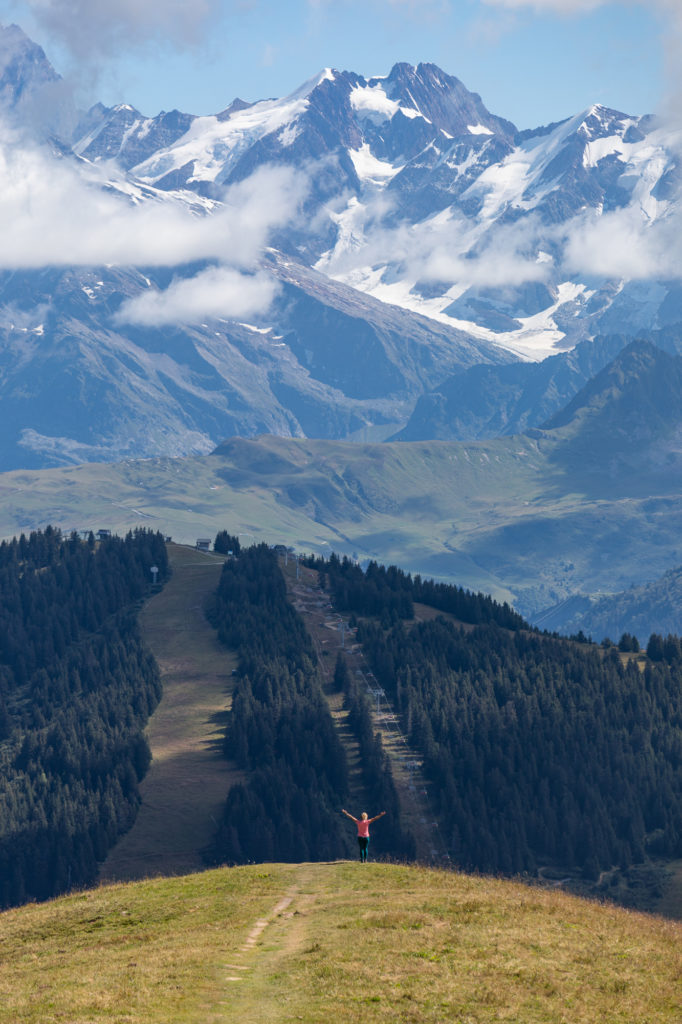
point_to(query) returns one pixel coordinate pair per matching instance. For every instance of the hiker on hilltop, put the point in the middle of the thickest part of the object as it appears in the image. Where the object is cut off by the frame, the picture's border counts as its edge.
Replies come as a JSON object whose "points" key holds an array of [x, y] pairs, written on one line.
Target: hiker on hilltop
{"points": [[363, 823]]}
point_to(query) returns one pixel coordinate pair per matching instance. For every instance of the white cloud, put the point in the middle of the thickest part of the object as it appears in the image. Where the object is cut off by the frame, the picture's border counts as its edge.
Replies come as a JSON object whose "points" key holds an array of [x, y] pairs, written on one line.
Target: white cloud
{"points": [[507, 256], [624, 244], [14, 318], [633, 243], [91, 27], [215, 292], [268, 55], [52, 215], [62, 212], [447, 249]]}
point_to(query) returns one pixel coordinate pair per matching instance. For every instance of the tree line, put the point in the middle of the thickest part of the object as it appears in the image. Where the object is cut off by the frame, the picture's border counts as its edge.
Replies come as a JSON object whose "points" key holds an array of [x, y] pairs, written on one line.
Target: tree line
{"points": [[540, 750], [76, 689], [390, 593]]}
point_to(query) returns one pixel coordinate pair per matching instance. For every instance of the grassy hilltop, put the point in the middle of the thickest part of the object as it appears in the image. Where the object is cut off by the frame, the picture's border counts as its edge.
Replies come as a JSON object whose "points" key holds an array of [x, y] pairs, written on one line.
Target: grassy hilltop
{"points": [[335, 941]]}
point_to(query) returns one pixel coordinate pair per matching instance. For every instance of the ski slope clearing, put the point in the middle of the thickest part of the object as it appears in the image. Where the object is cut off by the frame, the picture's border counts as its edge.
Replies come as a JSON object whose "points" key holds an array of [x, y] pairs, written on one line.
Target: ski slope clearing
{"points": [[188, 780]]}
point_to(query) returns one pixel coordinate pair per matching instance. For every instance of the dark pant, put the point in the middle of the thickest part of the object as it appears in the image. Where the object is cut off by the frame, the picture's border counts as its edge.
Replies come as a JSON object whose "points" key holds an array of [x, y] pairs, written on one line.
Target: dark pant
{"points": [[363, 843]]}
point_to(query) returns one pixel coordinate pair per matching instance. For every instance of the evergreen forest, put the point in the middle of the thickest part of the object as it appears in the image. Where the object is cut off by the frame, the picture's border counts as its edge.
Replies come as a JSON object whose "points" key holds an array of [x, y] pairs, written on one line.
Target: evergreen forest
{"points": [[389, 593], [76, 689], [539, 750], [282, 734]]}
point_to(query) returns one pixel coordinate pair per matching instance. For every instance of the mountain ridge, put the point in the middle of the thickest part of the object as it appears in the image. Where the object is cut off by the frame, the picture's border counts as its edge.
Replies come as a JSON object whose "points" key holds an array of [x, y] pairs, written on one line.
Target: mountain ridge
{"points": [[414, 196], [653, 607], [77, 386]]}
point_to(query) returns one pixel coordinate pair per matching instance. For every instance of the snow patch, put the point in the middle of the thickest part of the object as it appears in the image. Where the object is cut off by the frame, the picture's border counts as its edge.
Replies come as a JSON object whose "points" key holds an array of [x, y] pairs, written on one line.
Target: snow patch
{"points": [[289, 134], [479, 129], [369, 168], [258, 330], [612, 145]]}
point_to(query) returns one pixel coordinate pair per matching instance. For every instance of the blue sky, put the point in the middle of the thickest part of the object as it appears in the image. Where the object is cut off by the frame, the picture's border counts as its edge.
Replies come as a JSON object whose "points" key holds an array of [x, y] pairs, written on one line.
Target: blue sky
{"points": [[532, 61]]}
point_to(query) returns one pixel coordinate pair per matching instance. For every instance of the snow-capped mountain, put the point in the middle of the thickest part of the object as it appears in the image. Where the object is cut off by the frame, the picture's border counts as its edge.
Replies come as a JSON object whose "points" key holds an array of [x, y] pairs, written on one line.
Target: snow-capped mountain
{"points": [[420, 196], [403, 234], [385, 120], [123, 135]]}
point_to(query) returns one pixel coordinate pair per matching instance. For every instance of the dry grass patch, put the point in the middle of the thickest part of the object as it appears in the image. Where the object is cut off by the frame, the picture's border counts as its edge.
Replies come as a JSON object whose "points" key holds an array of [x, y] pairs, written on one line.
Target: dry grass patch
{"points": [[420, 946]]}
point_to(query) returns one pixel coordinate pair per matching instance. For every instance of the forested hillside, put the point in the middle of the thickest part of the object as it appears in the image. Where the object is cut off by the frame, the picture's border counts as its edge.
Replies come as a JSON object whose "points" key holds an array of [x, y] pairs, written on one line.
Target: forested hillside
{"points": [[281, 731], [390, 593], [76, 688], [540, 750]]}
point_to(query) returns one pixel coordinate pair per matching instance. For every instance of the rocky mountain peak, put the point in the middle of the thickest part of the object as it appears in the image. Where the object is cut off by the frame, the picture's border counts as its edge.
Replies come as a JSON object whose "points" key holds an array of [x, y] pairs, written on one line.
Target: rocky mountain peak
{"points": [[443, 99], [33, 96], [24, 68]]}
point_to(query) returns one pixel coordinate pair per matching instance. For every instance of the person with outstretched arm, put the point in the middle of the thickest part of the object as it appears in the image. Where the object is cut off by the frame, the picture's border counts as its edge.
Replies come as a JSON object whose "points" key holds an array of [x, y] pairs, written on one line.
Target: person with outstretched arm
{"points": [[363, 823]]}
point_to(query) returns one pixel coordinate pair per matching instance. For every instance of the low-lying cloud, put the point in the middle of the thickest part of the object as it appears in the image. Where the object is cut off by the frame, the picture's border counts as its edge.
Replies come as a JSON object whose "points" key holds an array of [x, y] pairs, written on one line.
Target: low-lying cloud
{"points": [[61, 213], [215, 293], [631, 243], [446, 249], [624, 244], [56, 214]]}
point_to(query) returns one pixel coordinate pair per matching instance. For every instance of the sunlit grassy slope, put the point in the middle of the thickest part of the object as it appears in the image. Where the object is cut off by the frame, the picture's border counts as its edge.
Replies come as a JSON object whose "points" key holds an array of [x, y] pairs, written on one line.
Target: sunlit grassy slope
{"points": [[509, 517], [335, 942], [184, 791]]}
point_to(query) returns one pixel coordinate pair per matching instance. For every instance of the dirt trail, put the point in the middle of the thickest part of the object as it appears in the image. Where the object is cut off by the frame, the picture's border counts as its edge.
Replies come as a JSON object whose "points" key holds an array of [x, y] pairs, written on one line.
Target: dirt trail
{"points": [[188, 781], [331, 634], [247, 978]]}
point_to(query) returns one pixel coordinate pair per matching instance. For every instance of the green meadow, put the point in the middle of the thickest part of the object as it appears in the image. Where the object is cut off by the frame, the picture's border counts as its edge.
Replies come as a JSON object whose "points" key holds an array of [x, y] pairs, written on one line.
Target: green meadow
{"points": [[514, 517]]}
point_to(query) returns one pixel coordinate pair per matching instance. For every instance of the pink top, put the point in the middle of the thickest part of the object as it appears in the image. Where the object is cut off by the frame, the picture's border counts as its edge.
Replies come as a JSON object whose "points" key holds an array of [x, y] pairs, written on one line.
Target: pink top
{"points": [[363, 827]]}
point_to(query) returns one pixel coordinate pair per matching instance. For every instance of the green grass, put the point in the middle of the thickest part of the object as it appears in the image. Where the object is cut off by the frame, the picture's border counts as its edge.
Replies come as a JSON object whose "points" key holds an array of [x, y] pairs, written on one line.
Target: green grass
{"points": [[373, 943], [501, 516]]}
